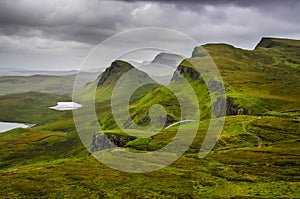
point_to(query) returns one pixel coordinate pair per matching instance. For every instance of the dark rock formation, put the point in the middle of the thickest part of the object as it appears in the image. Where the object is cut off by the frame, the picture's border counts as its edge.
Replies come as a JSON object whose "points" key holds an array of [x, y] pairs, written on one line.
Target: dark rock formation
{"points": [[184, 70], [100, 142], [222, 104], [233, 109]]}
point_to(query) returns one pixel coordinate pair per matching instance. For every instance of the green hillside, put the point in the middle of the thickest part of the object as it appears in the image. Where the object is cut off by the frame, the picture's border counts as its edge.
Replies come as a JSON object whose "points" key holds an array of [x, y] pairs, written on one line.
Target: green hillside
{"points": [[256, 80], [260, 76], [256, 156]]}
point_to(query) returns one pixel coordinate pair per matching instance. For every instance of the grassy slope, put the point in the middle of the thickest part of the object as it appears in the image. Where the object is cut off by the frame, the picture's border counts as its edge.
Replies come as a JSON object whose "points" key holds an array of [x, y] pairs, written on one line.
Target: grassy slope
{"points": [[236, 168], [260, 79], [31, 107]]}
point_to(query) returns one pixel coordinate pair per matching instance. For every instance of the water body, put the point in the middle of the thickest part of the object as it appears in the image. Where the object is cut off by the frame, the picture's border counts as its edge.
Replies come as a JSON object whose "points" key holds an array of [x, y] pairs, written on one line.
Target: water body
{"points": [[6, 126], [65, 106]]}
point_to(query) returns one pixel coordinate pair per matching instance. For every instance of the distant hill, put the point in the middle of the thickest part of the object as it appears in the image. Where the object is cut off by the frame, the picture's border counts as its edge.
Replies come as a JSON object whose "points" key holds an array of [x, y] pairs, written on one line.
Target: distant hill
{"points": [[168, 59], [61, 84]]}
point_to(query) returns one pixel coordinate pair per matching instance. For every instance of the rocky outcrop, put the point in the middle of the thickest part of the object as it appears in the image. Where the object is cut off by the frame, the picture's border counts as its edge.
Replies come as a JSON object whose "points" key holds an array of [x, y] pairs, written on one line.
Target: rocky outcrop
{"points": [[233, 109], [184, 70], [219, 107], [226, 106], [215, 86], [100, 142]]}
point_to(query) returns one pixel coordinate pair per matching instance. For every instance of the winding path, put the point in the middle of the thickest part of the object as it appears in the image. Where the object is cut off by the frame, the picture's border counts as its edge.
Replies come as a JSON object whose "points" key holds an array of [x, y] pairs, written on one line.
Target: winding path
{"points": [[260, 141]]}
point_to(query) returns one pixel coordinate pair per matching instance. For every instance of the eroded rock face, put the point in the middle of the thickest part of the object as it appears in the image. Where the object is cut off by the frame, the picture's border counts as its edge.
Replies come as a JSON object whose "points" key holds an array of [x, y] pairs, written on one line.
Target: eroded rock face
{"points": [[222, 104], [183, 70], [219, 107], [100, 142], [233, 109]]}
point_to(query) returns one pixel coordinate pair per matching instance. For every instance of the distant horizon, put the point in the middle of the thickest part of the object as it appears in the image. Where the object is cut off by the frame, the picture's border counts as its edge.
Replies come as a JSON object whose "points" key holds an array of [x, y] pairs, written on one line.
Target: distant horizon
{"points": [[7, 69]]}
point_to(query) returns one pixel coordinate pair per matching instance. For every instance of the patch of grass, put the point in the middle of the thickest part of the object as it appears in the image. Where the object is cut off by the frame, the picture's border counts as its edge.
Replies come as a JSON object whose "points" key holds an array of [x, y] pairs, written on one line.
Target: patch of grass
{"points": [[32, 108]]}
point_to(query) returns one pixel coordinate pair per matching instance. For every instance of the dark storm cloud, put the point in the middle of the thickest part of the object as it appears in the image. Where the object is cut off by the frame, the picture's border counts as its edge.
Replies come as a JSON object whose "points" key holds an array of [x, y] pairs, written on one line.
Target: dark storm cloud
{"points": [[54, 28]]}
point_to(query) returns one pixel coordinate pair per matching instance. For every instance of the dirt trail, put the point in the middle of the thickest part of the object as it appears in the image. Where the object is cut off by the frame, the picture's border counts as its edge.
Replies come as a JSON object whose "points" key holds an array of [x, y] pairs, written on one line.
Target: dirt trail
{"points": [[260, 141]]}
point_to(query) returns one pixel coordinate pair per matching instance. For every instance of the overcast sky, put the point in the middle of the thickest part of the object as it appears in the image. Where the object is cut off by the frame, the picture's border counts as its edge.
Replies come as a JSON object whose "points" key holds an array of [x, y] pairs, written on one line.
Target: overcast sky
{"points": [[58, 34]]}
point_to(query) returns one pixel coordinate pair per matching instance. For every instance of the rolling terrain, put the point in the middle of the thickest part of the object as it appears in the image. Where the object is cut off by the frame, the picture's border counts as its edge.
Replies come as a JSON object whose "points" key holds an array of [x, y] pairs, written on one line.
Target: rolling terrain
{"points": [[43, 83], [256, 156]]}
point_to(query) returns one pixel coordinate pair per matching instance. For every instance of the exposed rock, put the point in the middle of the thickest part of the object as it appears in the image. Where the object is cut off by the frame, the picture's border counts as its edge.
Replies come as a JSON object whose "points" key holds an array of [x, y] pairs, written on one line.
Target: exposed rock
{"points": [[184, 70], [219, 107], [100, 142], [222, 104], [233, 109], [215, 86]]}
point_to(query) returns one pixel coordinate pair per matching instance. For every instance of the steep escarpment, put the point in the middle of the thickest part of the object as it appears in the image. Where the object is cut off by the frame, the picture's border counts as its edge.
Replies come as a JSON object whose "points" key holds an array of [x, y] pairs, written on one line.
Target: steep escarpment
{"points": [[187, 70]]}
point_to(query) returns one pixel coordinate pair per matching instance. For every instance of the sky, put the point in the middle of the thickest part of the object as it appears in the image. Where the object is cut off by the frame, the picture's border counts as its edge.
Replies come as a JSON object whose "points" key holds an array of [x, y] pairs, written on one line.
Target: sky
{"points": [[58, 35]]}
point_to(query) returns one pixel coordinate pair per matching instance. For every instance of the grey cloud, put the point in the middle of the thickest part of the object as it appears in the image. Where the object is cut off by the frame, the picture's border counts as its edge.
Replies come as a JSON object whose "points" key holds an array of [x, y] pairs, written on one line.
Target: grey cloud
{"points": [[28, 26]]}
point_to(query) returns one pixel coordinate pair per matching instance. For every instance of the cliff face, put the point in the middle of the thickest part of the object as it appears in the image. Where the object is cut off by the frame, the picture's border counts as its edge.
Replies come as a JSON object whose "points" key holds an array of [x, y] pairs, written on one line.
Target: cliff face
{"points": [[213, 86], [185, 71], [231, 108]]}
